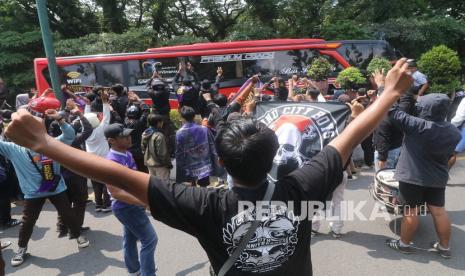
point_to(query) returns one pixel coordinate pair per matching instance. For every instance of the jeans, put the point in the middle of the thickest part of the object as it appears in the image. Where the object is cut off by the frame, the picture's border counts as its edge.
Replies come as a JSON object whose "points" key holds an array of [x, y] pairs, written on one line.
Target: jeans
{"points": [[461, 145], [391, 162], [32, 209], [137, 226]]}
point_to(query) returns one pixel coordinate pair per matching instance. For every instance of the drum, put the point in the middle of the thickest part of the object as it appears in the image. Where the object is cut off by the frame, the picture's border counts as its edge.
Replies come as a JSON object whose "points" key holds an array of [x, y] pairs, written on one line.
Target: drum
{"points": [[386, 191]]}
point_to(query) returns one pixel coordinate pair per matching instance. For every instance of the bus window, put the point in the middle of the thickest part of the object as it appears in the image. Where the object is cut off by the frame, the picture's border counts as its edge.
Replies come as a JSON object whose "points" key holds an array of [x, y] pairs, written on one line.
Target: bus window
{"points": [[357, 54], [76, 76], [206, 66], [140, 71], [287, 63], [111, 73]]}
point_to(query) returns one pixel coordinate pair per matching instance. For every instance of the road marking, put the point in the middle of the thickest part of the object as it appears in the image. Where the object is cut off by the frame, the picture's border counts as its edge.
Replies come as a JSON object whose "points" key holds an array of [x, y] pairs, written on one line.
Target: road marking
{"points": [[461, 158]]}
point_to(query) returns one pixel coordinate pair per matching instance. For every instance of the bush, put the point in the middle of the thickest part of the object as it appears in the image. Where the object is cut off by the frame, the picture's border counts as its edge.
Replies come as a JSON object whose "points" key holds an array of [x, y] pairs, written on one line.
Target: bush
{"points": [[134, 40], [319, 69], [176, 118], [350, 78], [441, 65], [378, 63]]}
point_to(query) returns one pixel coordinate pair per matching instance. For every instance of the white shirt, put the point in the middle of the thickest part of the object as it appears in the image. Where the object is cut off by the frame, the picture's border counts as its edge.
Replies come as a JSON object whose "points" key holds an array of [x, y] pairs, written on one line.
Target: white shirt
{"points": [[459, 117], [97, 143], [419, 78]]}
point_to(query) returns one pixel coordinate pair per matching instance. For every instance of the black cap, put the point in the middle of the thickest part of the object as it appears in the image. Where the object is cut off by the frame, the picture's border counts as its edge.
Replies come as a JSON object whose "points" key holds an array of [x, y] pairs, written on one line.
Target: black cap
{"points": [[116, 130]]}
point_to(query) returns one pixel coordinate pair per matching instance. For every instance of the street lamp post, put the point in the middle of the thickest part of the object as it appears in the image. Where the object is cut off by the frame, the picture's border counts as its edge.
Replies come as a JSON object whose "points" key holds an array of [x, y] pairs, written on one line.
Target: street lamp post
{"points": [[49, 50]]}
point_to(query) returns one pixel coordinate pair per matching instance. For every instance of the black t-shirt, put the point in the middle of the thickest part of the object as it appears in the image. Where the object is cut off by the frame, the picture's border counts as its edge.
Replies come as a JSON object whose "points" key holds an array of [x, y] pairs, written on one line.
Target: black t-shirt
{"points": [[281, 245]]}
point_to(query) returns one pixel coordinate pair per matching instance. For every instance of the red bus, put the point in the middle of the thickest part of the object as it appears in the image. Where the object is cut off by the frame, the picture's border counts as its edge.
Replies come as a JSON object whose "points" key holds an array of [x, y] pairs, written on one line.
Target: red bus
{"points": [[239, 60]]}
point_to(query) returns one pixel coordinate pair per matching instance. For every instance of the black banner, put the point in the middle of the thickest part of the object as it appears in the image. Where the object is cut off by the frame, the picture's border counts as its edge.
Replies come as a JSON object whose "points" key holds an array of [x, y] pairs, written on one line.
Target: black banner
{"points": [[303, 129]]}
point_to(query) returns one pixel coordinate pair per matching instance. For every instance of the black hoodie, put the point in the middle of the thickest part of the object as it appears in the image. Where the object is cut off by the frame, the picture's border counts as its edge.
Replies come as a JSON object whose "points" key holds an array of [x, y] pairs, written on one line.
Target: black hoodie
{"points": [[428, 144]]}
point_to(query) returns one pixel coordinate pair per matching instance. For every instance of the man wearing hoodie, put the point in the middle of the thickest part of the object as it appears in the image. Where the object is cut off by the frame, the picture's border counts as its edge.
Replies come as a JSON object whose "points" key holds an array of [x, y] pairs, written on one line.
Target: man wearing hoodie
{"points": [[422, 169]]}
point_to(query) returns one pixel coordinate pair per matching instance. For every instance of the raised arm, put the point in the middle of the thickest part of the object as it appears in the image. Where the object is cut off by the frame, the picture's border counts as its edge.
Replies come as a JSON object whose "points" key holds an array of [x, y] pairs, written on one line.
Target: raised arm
{"points": [[86, 128], [29, 131], [398, 82], [459, 117]]}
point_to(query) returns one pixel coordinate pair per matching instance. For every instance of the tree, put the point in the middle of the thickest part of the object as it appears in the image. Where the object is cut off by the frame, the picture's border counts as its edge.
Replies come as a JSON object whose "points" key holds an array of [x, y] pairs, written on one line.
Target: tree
{"points": [[350, 78], [378, 63], [134, 40], [17, 50], [441, 65], [114, 15], [211, 19], [69, 18]]}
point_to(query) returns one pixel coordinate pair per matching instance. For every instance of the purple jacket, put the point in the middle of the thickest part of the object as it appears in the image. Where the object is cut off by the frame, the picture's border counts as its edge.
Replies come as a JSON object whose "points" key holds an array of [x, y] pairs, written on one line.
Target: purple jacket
{"points": [[195, 153]]}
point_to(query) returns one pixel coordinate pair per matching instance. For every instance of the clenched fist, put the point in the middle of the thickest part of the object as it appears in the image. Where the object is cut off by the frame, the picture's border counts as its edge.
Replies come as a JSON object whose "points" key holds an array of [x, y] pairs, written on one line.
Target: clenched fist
{"points": [[398, 79], [27, 131]]}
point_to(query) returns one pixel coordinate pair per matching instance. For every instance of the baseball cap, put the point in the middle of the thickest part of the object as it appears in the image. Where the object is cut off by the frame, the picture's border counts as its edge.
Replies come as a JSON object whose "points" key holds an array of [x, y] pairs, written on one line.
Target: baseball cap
{"points": [[116, 130]]}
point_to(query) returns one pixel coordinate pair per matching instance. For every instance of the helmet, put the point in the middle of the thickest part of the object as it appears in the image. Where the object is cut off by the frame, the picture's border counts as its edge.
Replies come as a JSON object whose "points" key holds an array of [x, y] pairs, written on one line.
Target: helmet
{"points": [[133, 112], [42, 103], [157, 84]]}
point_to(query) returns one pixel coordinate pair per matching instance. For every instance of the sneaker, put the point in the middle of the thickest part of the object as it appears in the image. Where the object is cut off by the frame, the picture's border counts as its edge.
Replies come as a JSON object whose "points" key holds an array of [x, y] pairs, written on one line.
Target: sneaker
{"points": [[137, 273], [19, 256], [106, 209], [395, 244], [82, 242], [335, 235], [314, 233], [11, 223], [98, 209], [351, 177], [4, 244], [445, 253]]}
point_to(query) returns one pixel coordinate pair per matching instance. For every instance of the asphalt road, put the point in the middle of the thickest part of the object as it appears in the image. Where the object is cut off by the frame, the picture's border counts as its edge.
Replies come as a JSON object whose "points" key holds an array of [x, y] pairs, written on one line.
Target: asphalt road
{"points": [[360, 252]]}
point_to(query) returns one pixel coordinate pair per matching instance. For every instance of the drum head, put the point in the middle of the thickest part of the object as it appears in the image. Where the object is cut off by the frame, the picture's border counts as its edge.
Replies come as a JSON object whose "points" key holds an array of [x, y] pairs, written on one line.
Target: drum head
{"points": [[386, 177]]}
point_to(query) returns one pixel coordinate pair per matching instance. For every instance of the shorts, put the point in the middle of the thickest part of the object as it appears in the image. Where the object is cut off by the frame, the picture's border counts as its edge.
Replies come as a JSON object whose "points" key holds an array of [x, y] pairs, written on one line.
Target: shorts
{"points": [[414, 195]]}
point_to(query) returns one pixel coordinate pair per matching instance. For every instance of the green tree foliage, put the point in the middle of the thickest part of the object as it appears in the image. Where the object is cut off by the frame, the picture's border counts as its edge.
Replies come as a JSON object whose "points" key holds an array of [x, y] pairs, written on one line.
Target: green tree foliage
{"points": [[114, 16], [319, 69], [441, 64], [17, 50], [108, 26], [134, 40], [344, 29], [350, 78], [380, 64]]}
